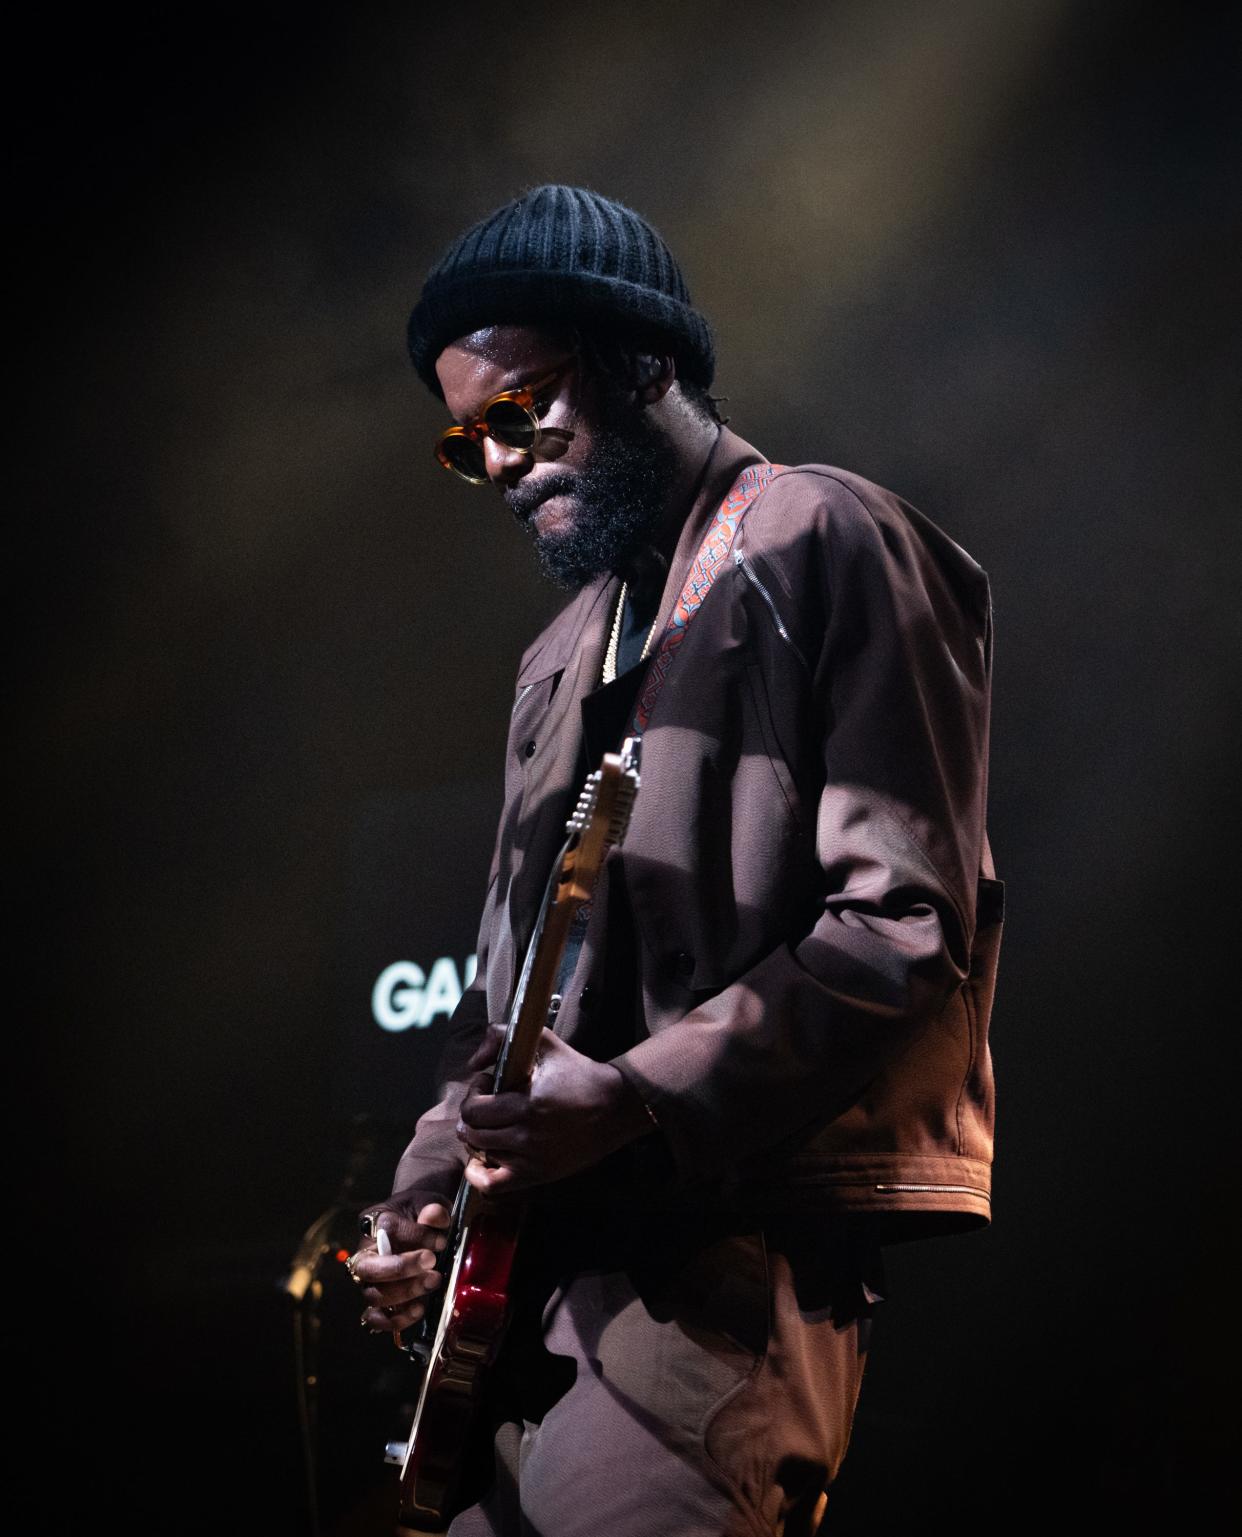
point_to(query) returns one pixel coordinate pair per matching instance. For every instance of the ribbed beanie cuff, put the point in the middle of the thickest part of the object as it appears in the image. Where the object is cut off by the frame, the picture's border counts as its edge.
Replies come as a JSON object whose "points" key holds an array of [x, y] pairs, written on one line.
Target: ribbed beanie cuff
{"points": [[561, 256]]}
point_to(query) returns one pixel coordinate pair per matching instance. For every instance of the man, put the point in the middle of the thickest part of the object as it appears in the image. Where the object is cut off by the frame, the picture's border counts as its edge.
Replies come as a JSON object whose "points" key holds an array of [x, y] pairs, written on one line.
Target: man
{"points": [[771, 1054]]}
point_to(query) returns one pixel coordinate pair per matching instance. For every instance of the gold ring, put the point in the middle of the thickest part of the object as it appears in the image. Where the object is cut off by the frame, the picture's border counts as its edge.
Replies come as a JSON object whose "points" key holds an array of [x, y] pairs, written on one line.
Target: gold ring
{"points": [[351, 1264]]}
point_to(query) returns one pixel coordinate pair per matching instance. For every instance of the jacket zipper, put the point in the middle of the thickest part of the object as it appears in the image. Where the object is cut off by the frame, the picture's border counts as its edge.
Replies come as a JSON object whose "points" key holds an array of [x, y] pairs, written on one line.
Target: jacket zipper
{"points": [[748, 571], [934, 1190]]}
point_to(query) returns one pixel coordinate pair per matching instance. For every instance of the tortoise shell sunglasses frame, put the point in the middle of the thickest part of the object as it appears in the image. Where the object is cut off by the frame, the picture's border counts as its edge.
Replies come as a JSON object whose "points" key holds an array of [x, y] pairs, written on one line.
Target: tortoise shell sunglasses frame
{"points": [[509, 417]]}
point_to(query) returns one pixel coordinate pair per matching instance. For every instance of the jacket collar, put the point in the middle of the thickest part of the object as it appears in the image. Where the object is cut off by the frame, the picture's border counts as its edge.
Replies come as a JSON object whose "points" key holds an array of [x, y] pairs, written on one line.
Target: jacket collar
{"points": [[575, 626]]}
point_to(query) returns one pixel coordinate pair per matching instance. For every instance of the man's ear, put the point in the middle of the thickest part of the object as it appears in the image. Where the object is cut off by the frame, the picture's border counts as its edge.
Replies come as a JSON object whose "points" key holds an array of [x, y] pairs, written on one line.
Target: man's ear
{"points": [[653, 377]]}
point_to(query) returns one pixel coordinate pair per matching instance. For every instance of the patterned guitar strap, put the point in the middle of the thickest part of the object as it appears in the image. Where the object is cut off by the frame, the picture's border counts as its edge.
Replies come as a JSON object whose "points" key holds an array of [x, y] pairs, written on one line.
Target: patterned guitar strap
{"points": [[704, 569]]}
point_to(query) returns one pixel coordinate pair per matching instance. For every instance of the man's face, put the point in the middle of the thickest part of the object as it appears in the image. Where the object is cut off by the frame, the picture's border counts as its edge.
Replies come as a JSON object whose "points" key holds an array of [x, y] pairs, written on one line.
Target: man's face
{"points": [[596, 481]]}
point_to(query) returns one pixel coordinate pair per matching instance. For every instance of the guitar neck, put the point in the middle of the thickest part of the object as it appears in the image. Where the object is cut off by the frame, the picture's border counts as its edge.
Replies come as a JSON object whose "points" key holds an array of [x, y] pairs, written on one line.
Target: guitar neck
{"points": [[598, 824], [534, 1008]]}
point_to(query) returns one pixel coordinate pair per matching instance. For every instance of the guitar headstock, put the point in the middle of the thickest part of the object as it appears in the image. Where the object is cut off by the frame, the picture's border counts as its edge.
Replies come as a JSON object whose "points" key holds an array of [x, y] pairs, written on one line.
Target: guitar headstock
{"points": [[608, 792], [600, 819]]}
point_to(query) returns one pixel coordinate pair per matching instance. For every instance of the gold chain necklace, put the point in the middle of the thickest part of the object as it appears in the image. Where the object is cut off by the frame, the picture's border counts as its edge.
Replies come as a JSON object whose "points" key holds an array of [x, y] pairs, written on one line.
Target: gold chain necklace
{"points": [[614, 640]]}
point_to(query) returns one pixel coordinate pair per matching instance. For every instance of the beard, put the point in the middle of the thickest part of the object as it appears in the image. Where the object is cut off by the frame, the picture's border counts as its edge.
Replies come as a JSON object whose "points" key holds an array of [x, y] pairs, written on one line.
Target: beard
{"points": [[619, 494]]}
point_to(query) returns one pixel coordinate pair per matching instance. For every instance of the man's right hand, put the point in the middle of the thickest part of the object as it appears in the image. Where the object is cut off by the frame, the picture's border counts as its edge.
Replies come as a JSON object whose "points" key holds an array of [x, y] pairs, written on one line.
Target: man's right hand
{"points": [[394, 1285]]}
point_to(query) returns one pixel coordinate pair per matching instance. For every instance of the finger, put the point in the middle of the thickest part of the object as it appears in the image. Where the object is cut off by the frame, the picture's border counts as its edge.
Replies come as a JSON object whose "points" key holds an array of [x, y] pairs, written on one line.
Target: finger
{"points": [[404, 1229], [404, 1232], [496, 1141], [371, 1268], [399, 1294], [381, 1321], [494, 1109], [488, 1048], [492, 1180], [365, 1248], [480, 1085]]}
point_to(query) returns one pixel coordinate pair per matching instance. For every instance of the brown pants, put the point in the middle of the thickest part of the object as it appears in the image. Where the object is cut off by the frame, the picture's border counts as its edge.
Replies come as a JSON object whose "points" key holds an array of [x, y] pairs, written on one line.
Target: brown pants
{"points": [[701, 1393]]}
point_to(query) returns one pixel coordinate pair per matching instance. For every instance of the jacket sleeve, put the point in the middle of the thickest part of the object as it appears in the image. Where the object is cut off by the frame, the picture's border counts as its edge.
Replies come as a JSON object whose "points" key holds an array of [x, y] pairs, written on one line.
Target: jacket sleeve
{"points": [[431, 1167], [893, 623]]}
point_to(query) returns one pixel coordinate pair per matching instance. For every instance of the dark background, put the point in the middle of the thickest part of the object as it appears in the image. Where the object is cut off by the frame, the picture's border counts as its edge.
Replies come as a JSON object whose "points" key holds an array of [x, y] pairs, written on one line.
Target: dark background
{"points": [[981, 252]]}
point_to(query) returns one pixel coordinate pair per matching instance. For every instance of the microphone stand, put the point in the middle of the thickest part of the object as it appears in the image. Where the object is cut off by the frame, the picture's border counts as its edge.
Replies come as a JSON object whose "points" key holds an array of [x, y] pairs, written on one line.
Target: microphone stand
{"points": [[304, 1287]]}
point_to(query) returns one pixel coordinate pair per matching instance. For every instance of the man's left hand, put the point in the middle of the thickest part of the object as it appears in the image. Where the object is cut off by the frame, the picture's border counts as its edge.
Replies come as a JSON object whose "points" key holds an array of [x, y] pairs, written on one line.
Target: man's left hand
{"points": [[578, 1111]]}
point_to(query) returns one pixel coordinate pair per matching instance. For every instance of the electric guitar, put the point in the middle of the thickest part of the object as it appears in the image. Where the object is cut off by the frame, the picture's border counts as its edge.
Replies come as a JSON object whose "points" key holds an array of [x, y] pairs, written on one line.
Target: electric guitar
{"points": [[461, 1333]]}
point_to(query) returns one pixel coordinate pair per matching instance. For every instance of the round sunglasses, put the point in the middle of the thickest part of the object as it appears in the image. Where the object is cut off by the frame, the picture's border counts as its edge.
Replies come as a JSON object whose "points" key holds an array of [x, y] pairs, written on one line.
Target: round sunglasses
{"points": [[511, 417]]}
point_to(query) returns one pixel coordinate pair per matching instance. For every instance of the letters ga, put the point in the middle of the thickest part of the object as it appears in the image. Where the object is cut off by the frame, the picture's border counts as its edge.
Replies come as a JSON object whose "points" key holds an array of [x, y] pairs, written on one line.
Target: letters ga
{"points": [[406, 996]]}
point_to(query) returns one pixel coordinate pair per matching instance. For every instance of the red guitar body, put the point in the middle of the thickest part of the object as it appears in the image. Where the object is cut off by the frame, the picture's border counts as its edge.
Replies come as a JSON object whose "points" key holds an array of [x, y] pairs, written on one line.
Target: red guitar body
{"points": [[473, 1325]]}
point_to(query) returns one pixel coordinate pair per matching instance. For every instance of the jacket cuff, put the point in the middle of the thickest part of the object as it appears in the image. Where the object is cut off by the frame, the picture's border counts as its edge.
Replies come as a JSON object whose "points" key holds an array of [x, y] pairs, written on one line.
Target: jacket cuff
{"points": [[663, 1109]]}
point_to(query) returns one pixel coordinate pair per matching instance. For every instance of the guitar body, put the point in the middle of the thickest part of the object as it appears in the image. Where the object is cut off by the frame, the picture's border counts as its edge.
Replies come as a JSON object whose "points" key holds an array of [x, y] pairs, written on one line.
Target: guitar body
{"points": [[477, 1263], [472, 1324]]}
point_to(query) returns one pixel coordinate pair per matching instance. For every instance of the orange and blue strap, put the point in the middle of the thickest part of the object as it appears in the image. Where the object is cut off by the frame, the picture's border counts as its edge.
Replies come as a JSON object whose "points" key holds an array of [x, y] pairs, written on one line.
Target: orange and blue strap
{"points": [[704, 569]]}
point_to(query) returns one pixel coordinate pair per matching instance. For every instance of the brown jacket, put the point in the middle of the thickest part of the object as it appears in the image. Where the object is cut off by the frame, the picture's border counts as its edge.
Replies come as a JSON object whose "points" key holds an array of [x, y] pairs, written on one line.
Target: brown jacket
{"points": [[816, 917]]}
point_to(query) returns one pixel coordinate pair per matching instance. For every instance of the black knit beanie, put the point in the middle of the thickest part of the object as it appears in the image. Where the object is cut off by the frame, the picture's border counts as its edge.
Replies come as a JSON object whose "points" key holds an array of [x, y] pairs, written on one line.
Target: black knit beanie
{"points": [[561, 256]]}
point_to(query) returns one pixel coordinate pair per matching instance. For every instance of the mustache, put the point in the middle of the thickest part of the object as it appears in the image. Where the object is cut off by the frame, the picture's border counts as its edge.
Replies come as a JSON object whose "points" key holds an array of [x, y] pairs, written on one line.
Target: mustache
{"points": [[525, 497]]}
